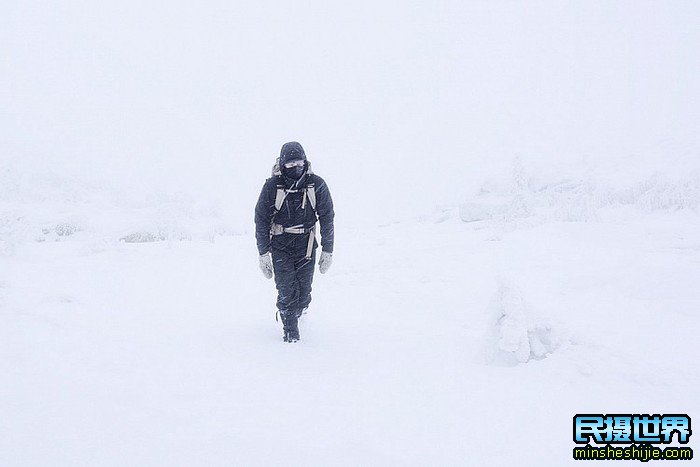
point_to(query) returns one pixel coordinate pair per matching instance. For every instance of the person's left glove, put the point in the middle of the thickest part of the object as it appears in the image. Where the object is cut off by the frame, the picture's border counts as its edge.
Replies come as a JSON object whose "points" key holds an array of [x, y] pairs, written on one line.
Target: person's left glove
{"points": [[266, 265], [325, 261]]}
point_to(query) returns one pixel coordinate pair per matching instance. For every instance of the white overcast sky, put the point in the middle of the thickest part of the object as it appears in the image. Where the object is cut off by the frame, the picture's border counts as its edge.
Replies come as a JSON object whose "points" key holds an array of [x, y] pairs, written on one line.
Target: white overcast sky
{"points": [[413, 102]]}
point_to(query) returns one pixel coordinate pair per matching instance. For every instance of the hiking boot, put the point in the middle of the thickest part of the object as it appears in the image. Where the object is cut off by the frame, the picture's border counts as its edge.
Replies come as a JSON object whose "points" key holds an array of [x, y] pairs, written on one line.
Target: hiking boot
{"points": [[290, 326]]}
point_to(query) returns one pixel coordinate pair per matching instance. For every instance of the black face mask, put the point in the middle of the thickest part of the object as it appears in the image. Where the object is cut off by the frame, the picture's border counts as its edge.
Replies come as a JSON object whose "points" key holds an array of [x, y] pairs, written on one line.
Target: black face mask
{"points": [[294, 173]]}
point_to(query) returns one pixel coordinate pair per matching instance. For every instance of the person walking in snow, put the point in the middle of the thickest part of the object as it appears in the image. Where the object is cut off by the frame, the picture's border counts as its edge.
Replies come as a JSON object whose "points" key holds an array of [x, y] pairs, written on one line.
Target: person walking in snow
{"points": [[290, 203]]}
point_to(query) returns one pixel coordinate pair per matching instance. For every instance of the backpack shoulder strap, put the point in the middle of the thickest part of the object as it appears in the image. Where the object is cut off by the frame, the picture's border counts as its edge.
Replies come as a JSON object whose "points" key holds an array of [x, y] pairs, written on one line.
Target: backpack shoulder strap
{"points": [[311, 194], [279, 197]]}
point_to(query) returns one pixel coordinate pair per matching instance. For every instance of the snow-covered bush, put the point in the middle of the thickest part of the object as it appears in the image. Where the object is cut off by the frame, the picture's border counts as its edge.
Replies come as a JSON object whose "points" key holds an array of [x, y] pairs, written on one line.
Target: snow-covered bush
{"points": [[44, 207], [514, 335], [65, 229], [570, 199]]}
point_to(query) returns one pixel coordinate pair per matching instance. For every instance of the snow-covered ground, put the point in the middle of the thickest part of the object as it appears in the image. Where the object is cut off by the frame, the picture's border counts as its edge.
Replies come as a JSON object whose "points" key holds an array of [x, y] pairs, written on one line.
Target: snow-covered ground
{"points": [[517, 190], [431, 341]]}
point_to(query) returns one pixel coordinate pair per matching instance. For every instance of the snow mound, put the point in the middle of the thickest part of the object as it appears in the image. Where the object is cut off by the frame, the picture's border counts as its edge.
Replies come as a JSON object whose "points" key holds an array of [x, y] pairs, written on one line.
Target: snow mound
{"points": [[472, 212], [514, 335]]}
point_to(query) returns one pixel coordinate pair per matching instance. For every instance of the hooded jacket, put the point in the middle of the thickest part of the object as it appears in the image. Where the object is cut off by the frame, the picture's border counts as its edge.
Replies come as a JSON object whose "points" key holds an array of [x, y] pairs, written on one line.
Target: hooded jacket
{"points": [[291, 214]]}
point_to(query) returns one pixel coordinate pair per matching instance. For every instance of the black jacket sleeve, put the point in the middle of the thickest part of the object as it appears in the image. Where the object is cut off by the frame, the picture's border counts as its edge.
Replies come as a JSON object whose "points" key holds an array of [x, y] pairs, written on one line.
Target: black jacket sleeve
{"points": [[264, 210], [324, 210]]}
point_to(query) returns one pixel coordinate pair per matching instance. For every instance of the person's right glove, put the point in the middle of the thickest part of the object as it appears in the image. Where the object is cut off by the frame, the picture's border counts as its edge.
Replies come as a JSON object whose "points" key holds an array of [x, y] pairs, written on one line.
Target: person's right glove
{"points": [[325, 261], [266, 265]]}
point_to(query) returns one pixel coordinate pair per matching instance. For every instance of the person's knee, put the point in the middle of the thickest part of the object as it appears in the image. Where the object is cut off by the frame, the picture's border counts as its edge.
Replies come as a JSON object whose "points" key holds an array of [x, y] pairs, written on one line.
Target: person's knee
{"points": [[305, 299]]}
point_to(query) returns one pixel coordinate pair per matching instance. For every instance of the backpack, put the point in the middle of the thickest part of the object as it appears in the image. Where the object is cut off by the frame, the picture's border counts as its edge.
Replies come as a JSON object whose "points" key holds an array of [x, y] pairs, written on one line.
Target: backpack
{"points": [[282, 191]]}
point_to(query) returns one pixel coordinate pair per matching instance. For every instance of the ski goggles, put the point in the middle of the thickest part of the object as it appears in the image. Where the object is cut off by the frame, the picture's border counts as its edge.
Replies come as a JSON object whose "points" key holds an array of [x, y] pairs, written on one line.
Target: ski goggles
{"points": [[296, 163]]}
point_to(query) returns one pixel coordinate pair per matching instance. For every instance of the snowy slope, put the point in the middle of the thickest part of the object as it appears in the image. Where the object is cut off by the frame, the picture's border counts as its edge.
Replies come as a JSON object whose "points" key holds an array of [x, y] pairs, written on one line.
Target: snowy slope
{"points": [[431, 341]]}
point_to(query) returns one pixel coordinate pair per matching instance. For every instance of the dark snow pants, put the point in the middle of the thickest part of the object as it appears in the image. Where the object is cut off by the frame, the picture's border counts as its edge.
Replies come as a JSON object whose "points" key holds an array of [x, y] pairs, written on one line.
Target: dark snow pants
{"points": [[293, 272]]}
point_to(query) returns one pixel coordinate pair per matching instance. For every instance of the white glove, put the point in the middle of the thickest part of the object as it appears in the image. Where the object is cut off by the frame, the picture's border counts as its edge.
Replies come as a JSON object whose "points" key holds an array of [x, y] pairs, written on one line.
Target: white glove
{"points": [[266, 265], [325, 261]]}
